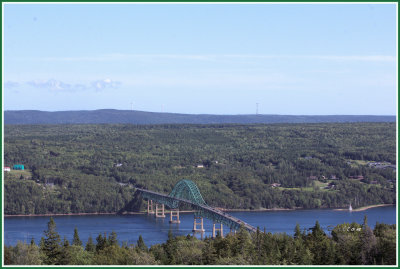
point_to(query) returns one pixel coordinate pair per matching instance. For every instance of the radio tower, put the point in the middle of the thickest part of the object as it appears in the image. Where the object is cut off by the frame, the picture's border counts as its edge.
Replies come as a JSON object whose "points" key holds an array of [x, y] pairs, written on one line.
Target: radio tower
{"points": [[256, 108]]}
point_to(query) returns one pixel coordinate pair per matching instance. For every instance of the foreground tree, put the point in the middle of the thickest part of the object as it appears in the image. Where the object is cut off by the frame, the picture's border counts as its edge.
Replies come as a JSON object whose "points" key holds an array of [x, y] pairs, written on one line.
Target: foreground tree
{"points": [[349, 244], [368, 244], [51, 244], [76, 241], [22, 254], [386, 246], [90, 247], [141, 245]]}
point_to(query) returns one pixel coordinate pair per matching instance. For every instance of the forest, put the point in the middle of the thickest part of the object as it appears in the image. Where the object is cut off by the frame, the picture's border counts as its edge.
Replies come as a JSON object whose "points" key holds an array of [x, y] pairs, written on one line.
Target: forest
{"points": [[348, 244], [94, 168]]}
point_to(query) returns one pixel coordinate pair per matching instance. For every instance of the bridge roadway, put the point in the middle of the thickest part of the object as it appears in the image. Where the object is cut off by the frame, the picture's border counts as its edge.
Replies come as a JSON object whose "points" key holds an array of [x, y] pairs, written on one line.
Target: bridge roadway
{"points": [[221, 214]]}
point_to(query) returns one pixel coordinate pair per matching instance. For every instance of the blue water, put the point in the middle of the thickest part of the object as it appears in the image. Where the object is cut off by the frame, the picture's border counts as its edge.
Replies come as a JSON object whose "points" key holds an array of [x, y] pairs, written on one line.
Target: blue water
{"points": [[154, 231]]}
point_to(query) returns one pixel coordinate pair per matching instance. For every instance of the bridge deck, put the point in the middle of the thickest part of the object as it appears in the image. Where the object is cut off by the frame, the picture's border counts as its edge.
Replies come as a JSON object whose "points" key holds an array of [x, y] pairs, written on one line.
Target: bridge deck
{"points": [[203, 207]]}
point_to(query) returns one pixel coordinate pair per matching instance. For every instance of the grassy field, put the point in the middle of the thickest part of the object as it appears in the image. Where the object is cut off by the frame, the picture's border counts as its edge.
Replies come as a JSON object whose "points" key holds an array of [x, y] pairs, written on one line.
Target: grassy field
{"points": [[26, 174], [320, 185], [297, 189]]}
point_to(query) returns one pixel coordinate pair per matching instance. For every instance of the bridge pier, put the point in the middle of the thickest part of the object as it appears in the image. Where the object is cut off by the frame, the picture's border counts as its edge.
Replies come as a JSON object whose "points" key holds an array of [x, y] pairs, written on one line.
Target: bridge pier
{"points": [[150, 209], [232, 231], [186, 191], [174, 213], [162, 211], [195, 223], [215, 230]]}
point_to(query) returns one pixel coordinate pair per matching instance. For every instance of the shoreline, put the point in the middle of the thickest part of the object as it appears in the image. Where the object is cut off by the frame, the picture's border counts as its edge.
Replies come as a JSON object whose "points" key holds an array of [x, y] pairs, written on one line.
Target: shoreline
{"points": [[363, 208], [191, 211], [144, 212]]}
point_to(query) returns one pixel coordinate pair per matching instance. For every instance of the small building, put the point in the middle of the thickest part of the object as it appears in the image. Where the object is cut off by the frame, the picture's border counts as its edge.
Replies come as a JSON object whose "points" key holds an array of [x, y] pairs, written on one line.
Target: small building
{"points": [[7, 169], [333, 177], [200, 166], [330, 187], [18, 167], [274, 185]]}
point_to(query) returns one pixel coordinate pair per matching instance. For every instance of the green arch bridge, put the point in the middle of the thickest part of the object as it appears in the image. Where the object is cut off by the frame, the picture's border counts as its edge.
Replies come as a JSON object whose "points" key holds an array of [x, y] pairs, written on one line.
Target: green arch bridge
{"points": [[186, 192]]}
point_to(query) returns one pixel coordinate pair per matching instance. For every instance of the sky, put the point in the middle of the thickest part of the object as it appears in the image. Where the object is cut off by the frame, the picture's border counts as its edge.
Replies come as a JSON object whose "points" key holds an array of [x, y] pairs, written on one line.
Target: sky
{"points": [[292, 59]]}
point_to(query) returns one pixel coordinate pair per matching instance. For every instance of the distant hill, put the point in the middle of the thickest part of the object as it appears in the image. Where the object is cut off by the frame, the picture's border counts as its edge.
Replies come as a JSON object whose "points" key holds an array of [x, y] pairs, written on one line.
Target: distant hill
{"points": [[142, 117]]}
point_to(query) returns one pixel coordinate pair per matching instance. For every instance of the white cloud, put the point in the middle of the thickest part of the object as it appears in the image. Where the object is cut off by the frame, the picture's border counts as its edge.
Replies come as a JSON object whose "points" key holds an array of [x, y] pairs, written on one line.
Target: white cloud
{"points": [[105, 83], [11, 84], [57, 85], [51, 84]]}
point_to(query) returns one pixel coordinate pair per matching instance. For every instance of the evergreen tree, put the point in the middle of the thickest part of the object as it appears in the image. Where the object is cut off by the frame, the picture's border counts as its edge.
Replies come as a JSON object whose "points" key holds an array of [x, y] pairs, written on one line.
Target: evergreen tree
{"points": [[258, 245], [65, 242], [297, 231], [365, 222], [302, 254], [112, 239], [140, 244], [41, 243], [101, 242], [76, 241], [170, 235], [317, 231], [65, 255], [386, 245], [318, 243], [244, 244], [8, 255], [171, 248], [51, 244], [90, 247], [209, 253], [368, 244]]}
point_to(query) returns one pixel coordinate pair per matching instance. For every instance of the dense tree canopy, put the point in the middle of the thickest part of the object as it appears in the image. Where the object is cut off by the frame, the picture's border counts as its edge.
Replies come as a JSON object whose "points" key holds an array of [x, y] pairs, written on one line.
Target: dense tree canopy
{"points": [[92, 168]]}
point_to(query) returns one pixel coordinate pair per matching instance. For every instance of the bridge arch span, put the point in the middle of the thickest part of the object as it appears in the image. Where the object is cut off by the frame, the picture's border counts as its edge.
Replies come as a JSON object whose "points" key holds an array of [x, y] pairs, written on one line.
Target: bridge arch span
{"points": [[188, 190]]}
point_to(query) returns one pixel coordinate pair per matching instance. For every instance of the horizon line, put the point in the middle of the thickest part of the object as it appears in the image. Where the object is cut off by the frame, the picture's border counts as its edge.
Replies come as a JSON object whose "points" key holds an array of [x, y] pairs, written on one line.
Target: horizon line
{"points": [[194, 114]]}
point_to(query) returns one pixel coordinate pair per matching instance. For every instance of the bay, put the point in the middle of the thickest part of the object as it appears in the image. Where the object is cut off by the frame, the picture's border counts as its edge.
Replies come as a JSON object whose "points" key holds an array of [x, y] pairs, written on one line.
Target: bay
{"points": [[155, 231]]}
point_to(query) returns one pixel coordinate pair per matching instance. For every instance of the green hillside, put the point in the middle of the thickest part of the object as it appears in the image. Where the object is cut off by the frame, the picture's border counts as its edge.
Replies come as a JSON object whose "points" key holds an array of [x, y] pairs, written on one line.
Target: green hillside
{"points": [[90, 168]]}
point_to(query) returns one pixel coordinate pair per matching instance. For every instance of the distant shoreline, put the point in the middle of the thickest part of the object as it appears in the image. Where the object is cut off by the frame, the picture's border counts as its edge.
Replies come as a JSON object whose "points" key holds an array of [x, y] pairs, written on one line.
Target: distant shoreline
{"points": [[113, 116], [363, 208], [144, 212], [191, 211], [60, 214]]}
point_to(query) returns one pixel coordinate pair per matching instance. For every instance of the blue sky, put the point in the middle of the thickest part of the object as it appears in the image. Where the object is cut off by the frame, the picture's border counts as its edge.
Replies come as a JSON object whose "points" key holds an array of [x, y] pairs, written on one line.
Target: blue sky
{"points": [[215, 59]]}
